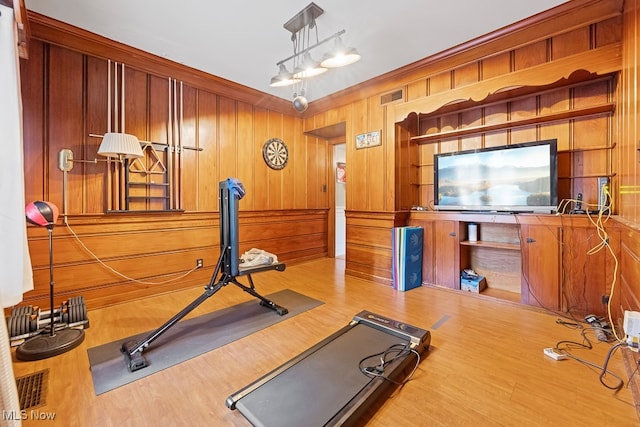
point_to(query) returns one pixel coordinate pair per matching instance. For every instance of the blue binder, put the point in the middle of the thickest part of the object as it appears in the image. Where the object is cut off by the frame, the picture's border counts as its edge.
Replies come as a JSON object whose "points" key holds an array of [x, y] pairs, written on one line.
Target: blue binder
{"points": [[407, 257]]}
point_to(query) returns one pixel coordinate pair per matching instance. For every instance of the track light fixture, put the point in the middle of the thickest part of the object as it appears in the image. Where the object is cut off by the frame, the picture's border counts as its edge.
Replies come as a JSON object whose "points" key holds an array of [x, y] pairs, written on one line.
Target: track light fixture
{"points": [[302, 62]]}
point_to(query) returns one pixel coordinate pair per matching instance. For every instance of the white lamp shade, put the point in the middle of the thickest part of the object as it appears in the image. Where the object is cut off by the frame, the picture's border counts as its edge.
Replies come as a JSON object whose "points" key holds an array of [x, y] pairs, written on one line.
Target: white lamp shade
{"points": [[282, 82], [283, 78], [120, 145], [308, 68], [340, 56]]}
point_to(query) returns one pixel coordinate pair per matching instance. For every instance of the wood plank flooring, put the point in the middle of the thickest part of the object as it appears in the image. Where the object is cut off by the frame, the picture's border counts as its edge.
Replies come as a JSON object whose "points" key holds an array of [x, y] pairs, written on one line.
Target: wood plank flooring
{"points": [[485, 367]]}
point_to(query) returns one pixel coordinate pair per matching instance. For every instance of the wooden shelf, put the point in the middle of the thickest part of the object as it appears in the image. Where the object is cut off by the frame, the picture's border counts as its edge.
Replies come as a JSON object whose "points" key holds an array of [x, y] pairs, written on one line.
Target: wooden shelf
{"points": [[501, 294], [147, 197], [495, 245], [603, 109], [148, 184]]}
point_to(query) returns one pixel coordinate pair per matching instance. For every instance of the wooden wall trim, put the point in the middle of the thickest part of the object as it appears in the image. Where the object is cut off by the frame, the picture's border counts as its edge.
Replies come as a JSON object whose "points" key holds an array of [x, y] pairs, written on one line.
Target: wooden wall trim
{"points": [[22, 23], [62, 34]]}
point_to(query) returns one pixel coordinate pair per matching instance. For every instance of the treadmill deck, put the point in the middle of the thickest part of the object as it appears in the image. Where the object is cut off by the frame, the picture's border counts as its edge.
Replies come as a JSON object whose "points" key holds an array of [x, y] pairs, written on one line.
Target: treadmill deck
{"points": [[324, 385]]}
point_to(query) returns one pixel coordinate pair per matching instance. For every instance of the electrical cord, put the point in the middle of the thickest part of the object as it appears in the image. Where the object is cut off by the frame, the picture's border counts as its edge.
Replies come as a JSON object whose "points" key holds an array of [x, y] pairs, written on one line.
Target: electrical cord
{"points": [[572, 325], [392, 353], [586, 343], [635, 371], [598, 222], [606, 363], [604, 371], [120, 274], [564, 346]]}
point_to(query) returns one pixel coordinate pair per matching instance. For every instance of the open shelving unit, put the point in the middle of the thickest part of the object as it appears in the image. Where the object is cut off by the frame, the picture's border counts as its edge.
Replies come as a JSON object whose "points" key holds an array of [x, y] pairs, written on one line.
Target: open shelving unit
{"points": [[496, 255]]}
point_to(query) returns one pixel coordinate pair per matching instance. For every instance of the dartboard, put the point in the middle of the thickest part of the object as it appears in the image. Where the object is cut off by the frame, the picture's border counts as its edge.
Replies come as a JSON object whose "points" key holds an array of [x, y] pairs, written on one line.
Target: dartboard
{"points": [[275, 153]]}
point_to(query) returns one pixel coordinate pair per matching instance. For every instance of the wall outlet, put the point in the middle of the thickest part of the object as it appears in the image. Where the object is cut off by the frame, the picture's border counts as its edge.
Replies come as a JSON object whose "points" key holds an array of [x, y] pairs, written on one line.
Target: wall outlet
{"points": [[199, 263]]}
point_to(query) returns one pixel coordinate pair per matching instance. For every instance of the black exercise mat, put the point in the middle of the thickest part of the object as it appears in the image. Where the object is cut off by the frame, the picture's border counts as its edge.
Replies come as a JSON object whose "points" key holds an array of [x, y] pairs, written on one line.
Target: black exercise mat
{"points": [[192, 337]]}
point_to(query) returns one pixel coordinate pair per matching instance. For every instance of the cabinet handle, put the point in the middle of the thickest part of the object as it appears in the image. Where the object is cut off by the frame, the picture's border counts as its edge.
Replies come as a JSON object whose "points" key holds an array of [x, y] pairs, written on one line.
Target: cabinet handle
{"points": [[530, 240], [452, 234]]}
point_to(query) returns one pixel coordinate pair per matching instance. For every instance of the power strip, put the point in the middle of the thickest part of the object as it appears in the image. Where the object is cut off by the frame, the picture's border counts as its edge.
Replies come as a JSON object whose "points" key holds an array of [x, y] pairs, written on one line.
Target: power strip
{"points": [[550, 352]]}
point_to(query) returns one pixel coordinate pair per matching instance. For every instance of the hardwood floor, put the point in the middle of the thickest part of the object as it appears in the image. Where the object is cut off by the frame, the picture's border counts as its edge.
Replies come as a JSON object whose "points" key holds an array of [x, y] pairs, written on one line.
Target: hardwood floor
{"points": [[485, 366]]}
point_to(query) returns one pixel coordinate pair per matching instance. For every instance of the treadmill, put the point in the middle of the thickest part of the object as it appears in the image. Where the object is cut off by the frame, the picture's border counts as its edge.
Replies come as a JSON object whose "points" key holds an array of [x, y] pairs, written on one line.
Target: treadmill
{"points": [[337, 380]]}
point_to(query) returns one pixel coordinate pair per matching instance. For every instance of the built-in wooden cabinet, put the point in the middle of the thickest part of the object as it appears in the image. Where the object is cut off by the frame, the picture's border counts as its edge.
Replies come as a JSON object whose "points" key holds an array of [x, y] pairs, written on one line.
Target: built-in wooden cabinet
{"points": [[446, 253], [494, 253], [440, 254], [539, 260], [541, 256]]}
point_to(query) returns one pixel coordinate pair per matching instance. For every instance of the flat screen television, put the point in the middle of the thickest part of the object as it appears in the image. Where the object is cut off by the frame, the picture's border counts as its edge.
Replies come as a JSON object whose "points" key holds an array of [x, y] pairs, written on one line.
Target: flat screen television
{"points": [[513, 178]]}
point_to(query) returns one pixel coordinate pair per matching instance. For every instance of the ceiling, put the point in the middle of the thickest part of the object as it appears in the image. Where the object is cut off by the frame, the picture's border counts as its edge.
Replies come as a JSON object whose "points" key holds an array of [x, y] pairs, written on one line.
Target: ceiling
{"points": [[242, 40]]}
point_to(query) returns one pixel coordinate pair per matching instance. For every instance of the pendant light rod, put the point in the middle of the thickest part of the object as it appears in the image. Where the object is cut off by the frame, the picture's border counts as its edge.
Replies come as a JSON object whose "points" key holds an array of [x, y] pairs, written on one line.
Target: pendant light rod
{"points": [[302, 52]]}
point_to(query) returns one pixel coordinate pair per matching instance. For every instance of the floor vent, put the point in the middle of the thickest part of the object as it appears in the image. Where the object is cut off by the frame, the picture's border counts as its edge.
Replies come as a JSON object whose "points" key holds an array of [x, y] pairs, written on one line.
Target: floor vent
{"points": [[32, 389], [391, 96]]}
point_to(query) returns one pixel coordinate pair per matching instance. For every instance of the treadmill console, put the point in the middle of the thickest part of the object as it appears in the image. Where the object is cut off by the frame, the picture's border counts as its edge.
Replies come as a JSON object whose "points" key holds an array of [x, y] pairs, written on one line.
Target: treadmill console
{"points": [[419, 338]]}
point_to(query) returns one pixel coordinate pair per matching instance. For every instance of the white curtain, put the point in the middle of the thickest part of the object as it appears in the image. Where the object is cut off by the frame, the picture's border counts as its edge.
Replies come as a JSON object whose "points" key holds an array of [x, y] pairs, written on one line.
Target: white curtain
{"points": [[15, 263]]}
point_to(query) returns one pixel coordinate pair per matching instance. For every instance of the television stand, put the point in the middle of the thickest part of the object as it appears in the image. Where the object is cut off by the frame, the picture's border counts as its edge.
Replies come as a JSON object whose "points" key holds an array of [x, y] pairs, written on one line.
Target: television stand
{"points": [[518, 254]]}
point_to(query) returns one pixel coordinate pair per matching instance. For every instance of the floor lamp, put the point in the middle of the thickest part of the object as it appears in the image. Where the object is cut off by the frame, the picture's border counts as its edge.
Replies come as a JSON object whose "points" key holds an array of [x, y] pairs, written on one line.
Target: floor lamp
{"points": [[50, 342]]}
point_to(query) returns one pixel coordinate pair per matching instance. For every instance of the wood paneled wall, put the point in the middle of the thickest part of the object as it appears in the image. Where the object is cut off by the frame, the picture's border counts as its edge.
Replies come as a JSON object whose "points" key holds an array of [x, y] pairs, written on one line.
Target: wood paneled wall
{"points": [[583, 122], [484, 82], [560, 68], [629, 169], [119, 257], [576, 57], [65, 101], [369, 244], [563, 86], [76, 84]]}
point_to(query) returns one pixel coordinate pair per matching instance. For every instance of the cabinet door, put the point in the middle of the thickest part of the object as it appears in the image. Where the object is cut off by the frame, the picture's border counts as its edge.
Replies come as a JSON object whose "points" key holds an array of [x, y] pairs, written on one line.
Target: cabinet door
{"points": [[587, 274], [428, 245], [447, 254], [541, 266]]}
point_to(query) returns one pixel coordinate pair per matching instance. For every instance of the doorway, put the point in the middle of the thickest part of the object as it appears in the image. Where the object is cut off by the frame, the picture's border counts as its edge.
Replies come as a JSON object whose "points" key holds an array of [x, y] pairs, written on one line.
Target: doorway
{"points": [[340, 202]]}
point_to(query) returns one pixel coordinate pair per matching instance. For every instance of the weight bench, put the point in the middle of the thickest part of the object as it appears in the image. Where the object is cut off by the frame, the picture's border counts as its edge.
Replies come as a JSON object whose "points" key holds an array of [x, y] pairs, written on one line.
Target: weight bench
{"points": [[228, 269]]}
